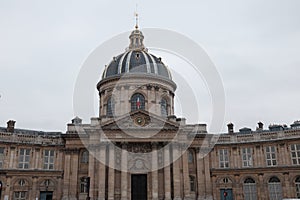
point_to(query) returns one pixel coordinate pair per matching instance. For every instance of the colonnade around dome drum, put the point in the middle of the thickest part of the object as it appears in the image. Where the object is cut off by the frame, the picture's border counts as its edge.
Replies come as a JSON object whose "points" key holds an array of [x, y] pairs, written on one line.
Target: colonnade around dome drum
{"points": [[154, 92]]}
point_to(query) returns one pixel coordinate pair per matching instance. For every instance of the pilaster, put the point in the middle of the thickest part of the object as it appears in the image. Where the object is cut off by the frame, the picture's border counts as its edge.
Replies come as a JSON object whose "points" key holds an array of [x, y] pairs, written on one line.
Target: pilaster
{"points": [[176, 172], [167, 173], [111, 172], [124, 175], [154, 173], [101, 173]]}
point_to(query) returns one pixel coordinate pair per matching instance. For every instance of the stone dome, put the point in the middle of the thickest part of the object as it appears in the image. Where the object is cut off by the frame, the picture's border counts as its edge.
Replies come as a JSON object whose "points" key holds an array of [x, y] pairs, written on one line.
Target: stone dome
{"points": [[137, 60]]}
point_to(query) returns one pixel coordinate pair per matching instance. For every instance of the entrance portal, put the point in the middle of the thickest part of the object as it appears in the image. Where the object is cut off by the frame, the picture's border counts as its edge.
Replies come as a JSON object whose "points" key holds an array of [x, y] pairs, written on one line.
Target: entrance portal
{"points": [[46, 195], [139, 187]]}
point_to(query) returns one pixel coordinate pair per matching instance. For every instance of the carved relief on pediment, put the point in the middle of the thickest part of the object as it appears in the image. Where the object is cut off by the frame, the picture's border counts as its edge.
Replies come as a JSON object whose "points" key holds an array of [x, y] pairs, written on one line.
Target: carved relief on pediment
{"points": [[139, 147], [139, 120], [139, 162]]}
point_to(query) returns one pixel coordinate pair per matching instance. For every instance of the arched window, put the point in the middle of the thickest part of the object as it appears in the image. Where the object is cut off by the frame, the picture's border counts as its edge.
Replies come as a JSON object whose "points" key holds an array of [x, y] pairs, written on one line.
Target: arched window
{"points": [[249, 187], [163, 107], [110, 108], [85, 157], [137, 102], [297, 184], [191, 157], [22, 182], [275, 189]]}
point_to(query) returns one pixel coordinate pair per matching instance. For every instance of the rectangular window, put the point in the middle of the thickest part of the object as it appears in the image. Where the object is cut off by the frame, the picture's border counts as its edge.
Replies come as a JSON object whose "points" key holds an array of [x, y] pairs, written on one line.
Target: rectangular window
{"points": [[20, 195], [271, 156], [192, 184], [24, 158], [250, 191], [275, 191], [48, 159], [247, 157], [1, 157], [84, 185], [224, 158], [295, 154], [298, 190]]}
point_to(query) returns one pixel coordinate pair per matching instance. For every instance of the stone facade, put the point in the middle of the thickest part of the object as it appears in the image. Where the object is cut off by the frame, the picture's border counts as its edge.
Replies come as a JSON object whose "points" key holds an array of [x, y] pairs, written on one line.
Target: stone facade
{"points": [[196, 174], [138, 149]]}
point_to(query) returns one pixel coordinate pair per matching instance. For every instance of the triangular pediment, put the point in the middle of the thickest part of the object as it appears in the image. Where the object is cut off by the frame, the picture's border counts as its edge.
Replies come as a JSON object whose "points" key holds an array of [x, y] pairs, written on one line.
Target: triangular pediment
{"points": [[140, 120]]}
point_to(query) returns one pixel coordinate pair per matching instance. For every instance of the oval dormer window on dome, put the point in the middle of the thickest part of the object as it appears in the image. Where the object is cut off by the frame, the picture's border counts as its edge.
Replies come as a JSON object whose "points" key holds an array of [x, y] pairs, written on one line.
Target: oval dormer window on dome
{"points": [[110, 107], [137, 102]]}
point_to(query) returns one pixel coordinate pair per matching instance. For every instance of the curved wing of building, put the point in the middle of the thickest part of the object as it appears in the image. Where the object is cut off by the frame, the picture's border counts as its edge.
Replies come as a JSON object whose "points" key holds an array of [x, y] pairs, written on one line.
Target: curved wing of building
{"points": [[138, 149]]}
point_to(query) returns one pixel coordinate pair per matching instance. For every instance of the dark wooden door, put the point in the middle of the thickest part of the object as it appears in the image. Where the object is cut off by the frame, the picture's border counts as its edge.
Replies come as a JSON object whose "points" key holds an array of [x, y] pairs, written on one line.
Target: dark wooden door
{"points": [[226, 194], [139, 187], [46, 195]]}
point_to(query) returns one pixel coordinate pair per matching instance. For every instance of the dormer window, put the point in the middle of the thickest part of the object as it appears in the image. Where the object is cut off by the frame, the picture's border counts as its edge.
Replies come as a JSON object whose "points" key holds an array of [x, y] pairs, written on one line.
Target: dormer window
{"points": [[137, 102]]}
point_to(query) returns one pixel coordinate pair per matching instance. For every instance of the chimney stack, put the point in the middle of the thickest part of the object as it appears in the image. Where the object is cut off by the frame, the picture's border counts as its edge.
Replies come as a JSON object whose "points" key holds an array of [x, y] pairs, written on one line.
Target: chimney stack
{"points": [[230, 127], [260, 126], [10, 126], [77, 121]]}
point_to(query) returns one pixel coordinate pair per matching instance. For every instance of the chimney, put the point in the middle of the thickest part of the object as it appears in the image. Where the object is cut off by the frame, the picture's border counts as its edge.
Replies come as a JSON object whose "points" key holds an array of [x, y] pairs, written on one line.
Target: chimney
{"points": [[77, 121], [260, 126], [230, 127], [10, 126]]}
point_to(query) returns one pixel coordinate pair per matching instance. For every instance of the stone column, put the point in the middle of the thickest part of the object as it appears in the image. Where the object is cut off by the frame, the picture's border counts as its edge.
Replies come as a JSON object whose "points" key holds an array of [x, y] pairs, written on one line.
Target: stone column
{"points": [[208, 181], [157, 99], [287, 160], [200, 175], [36, 158], [101, 174], [281, 159], [167, 173], [234, 156], [74, 174], [59, 188], [34, 193], [127, 105], [92, 174], [262, 155], [176, 172], [186, 177], [216, 194], [117, 98], [12, 158], [286, 186], [261, 187], [7, 190], [256, 158], [154, 173], [238, 188], [111, 173], [66, 175], [124, 167]]}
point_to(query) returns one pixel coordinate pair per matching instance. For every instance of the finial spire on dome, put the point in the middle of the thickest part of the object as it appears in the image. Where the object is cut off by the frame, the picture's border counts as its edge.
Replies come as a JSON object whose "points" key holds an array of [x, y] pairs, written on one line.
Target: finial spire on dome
{"points": [[136, 36], [136, 20], [136, 15]]}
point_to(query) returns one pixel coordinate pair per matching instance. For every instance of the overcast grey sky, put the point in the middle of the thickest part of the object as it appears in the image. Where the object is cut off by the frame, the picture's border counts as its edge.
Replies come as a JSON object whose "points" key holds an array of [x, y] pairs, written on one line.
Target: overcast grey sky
{"points": [[255, 46]]}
